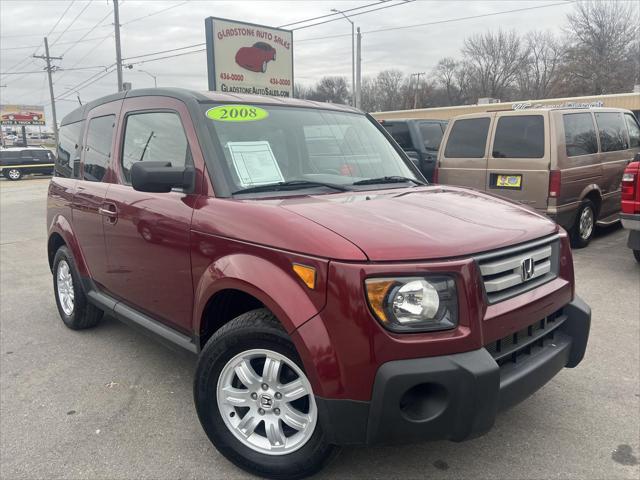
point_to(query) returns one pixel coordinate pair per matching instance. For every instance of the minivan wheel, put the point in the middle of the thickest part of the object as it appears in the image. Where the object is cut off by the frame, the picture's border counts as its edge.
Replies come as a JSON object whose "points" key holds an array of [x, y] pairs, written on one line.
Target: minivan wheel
{"points": [[74, 309], [584, 226], [13, 174], [255, 401]]}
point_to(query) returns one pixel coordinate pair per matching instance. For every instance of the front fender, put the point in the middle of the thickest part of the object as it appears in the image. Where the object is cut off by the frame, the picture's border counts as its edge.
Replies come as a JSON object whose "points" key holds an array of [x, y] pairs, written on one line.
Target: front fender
{"points": [[270, 280], [61, 225]]}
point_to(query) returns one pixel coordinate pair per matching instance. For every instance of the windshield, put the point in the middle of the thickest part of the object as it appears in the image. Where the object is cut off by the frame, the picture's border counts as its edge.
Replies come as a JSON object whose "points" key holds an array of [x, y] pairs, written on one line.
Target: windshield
{"points": [[303, 148]]}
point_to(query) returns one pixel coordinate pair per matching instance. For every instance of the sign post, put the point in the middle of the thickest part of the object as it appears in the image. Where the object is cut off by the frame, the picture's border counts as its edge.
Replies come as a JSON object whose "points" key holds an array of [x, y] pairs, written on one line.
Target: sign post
{"points": [[249, 58]]}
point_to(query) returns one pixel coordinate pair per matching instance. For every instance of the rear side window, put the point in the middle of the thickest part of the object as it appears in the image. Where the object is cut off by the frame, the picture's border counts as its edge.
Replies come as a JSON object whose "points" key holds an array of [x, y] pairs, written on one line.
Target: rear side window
{"points": [[468, 138], [431, 135], [579, 134], [154, 137], [98, 148], [69, 146], [612, 132], [400, 133], [519, 137], [634, 130]]}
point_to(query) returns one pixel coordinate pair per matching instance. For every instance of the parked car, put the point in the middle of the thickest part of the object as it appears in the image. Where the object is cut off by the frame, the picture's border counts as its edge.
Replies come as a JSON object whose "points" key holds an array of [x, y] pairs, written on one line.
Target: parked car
{"points": [[631, 205], [333, 299], [256, 57], [420, 139], [566, 163], [15, 162]]}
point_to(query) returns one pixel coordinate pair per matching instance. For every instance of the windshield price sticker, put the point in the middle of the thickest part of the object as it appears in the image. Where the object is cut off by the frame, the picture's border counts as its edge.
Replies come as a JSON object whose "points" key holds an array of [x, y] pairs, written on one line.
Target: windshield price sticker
{"points": [[237, 113], [254, 163]]}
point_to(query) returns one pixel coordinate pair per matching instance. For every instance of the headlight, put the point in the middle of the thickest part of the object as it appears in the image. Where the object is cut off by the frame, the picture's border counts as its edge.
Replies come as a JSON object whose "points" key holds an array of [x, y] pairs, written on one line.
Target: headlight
{"points": [[414, 304]]}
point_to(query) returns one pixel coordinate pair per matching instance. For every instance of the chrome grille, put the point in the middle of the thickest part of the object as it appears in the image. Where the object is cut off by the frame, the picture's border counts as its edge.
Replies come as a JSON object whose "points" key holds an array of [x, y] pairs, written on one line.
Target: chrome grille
{"points": [[515, 270]]}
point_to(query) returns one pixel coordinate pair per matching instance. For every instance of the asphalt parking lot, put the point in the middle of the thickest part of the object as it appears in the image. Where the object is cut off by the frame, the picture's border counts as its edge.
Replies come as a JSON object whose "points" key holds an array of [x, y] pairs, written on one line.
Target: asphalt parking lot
{"points": [[112, 403]]}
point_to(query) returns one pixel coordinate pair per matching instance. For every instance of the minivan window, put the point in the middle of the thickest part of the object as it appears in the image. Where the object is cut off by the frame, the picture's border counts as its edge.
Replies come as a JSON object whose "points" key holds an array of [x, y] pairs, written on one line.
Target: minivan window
{"points": [[634, 130], [305, 145], [519, 136], [400, 133], [68, 148], [579, 134], [154, 137], [98, 149], [431, 135], [468, 138], [612, 131]]}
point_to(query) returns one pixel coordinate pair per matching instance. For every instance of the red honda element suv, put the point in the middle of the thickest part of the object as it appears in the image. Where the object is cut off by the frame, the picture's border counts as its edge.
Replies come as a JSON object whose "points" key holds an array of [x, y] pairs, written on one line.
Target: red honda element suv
{"points": [[332, 295]]}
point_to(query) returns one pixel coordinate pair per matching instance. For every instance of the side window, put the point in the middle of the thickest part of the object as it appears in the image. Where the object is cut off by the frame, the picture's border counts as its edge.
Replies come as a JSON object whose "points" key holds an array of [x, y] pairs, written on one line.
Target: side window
{"points": [[431, 134], [612, 132], [519, 136], [154, 137], [98, 149], [579, 134], [400, 133], [69, 147], [634, 130], [468, 138], [26, 155]]}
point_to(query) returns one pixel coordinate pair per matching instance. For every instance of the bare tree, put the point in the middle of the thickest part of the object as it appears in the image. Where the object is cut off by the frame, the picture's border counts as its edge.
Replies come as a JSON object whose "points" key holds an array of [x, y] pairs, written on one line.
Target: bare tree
{"points": [[493, 60], [390, 89], [446, 73], [540, 67], [330, 89], [369, 95], [603, 40]]}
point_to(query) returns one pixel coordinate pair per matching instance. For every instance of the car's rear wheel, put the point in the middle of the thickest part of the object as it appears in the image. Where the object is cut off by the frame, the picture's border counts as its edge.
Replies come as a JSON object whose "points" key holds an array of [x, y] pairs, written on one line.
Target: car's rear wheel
{"points": [[584, 225], [255, 401], [13, 174], [74, 309]]}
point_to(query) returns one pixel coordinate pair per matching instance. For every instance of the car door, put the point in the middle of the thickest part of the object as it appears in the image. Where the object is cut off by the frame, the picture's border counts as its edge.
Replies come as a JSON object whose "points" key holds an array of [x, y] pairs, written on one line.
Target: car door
{"points": [[92, 186], [430, 138], [148, 234], [463, 157]]}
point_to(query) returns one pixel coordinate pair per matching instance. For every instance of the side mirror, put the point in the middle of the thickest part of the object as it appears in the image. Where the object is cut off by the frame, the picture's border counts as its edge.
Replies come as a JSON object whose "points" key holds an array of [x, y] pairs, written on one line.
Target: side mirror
{"points": [[160, 177]]}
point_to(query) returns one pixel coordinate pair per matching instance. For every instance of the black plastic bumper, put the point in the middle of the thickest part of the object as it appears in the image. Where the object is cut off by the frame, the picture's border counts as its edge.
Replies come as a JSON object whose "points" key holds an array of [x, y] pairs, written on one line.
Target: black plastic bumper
{"points": [[456, 397]]}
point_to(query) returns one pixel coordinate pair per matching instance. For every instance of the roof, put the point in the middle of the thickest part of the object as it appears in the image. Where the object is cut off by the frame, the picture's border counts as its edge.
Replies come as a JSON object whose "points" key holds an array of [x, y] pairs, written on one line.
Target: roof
{"points": [[189, 96]]}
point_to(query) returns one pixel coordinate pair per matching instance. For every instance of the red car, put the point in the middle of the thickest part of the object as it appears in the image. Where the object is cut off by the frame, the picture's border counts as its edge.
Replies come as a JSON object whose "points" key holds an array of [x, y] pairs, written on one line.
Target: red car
{"points": [[21, 116], [332, 298], [256, 57], [630, 212]]}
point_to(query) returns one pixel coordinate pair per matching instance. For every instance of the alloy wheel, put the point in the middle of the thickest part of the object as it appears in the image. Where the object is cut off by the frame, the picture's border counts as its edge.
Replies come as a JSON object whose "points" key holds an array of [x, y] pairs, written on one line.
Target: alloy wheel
{"points": [[64, 283], [586, 223]]}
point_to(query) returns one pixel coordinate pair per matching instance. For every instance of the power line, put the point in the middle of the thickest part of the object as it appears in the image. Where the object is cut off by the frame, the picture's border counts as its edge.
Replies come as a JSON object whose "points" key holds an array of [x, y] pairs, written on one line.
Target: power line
{"points": [[72, 22], [404, 2], [165, 51], [83, 57], [61, 17], [68, 42], [331, 14], [155, 13], [86, 34]]}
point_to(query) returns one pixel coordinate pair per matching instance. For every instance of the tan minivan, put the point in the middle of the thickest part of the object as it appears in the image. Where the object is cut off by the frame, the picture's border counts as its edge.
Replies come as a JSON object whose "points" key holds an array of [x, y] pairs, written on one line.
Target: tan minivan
{"points": [[565, 162]]}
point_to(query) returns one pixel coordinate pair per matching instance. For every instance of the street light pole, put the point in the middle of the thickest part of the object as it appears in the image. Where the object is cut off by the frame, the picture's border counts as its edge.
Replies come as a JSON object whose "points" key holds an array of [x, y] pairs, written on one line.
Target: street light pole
{"points": [[155, 78], [353, 56]]}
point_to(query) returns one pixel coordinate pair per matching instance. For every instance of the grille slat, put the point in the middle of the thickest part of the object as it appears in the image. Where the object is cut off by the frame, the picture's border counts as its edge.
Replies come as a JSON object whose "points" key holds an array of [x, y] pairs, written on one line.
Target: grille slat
{"points": [[502, 271]]}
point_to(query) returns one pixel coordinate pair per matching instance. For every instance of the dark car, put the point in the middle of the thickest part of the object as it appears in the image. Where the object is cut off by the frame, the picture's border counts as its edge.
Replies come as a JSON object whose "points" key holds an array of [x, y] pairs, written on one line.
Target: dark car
{"points": [[17, 162], [256, 57], [332, 296], [420, 139]]}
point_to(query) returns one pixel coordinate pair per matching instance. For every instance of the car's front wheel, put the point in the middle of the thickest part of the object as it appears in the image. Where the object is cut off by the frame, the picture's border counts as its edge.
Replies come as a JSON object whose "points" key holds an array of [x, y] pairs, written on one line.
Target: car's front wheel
{"points": [[13, 174], [264, 67], [255, 401], [584, 226]]}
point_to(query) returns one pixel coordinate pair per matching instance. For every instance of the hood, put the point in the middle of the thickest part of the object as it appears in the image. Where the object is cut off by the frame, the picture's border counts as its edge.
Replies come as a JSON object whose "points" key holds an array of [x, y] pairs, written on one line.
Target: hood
{"points": [[423, 223]]}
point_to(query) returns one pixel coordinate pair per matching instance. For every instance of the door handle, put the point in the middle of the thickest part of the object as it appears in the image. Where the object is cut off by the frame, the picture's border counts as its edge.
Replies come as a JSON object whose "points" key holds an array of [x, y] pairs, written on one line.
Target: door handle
{"points": [[106, 212], [110, 211]]}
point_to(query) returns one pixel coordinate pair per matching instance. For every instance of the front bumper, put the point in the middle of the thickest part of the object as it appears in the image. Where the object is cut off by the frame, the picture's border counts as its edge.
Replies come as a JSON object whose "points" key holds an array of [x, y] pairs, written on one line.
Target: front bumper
{"points": [[457, 396]]}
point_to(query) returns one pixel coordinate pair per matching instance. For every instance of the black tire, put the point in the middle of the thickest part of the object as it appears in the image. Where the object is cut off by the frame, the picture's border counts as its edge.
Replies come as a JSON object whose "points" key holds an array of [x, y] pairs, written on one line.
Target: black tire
{"points": [[84, 314], [636, 253], [13, 174], [579, 240], [252, 330]]}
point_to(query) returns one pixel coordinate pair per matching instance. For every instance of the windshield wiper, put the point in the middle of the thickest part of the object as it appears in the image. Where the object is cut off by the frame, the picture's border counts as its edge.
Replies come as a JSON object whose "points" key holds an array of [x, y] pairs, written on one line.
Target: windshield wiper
{"points": [[391, 179], [290, 185]]}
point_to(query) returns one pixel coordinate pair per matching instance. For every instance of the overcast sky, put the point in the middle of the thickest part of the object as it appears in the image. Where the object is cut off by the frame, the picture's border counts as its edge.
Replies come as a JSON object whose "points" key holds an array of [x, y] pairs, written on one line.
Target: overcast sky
{"points": [[319, 50]]}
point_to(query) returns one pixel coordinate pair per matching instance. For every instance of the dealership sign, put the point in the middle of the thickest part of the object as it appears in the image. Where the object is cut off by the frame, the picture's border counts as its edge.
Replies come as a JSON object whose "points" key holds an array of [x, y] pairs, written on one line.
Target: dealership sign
{"points": [[22, 115], [248, 58], [526, 105]]}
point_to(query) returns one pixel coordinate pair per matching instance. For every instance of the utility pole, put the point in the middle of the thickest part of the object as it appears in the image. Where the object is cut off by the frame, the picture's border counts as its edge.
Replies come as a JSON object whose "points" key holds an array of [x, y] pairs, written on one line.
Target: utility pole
{"points": [[48, 59], [116, 19], [415, 95], [358, 70]]}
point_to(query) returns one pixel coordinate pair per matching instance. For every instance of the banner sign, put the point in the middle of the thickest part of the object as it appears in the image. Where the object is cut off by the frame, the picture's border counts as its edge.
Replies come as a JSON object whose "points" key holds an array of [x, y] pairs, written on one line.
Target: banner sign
{"points": [[22, 115], [526, 105], [248, 58]]}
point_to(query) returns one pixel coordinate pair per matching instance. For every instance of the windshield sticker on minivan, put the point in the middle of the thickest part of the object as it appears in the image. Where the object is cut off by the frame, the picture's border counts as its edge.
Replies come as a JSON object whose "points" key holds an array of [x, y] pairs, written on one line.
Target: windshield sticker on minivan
{"points": [[255, 163], [237, 113]]}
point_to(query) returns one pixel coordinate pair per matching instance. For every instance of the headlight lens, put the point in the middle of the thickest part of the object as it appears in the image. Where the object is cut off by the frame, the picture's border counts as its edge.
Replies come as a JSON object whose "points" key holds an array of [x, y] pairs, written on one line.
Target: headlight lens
{"points": [[414, 304]]}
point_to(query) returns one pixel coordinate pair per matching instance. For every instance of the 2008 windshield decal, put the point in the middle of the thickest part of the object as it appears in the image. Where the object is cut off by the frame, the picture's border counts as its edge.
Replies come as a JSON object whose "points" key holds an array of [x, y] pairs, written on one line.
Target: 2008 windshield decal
{"points": [[237, 113]]}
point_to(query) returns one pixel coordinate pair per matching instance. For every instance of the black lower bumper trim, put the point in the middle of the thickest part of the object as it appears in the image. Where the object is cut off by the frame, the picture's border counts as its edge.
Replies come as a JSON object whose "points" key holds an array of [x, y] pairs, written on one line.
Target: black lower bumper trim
{"points": [[453, 397]]}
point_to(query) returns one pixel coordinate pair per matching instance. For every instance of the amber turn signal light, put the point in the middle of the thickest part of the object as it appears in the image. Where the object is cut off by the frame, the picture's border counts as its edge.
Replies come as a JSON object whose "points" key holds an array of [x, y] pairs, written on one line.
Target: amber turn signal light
{"points": [[306, 274]]}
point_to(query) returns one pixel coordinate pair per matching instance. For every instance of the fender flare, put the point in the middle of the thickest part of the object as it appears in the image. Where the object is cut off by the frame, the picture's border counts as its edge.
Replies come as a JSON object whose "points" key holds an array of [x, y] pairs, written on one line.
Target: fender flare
{"points": [[62, 226], [278, 290], [592, 187]]}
